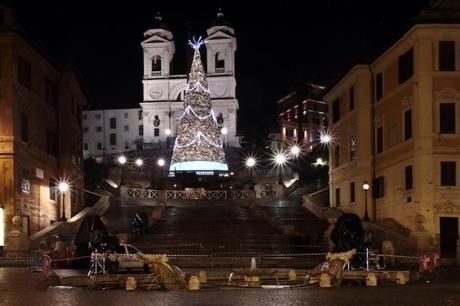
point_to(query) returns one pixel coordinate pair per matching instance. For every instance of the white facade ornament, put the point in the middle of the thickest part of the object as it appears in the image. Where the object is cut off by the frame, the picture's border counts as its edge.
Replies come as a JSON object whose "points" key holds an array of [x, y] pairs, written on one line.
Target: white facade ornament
{"points": [[406, 102], [447, 94]]}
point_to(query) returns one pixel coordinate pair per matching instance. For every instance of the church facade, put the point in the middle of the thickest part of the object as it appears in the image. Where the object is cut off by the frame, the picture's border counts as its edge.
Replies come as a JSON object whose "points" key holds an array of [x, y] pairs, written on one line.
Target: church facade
{"points": [[163, 93]]}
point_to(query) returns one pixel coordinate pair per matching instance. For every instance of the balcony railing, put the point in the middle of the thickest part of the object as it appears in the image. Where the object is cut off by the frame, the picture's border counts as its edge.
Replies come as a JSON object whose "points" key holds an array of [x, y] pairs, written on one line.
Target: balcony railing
{"points": [[196, 195]]}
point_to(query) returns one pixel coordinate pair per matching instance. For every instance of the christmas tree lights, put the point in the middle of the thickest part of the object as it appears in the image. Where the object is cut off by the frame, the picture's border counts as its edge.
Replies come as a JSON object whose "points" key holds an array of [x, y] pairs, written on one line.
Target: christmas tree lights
{"points": [[198, 144]]}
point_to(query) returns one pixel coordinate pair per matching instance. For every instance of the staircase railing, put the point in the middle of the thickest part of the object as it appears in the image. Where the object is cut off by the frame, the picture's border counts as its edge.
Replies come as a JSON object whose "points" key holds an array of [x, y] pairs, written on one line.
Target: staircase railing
{"points": [[194, 195], [70, 228]]}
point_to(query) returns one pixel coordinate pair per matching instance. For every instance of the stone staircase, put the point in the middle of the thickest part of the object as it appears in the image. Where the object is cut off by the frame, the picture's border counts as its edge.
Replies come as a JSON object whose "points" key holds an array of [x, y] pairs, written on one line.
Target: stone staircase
{"points": [[198, 227], [288, 215]]}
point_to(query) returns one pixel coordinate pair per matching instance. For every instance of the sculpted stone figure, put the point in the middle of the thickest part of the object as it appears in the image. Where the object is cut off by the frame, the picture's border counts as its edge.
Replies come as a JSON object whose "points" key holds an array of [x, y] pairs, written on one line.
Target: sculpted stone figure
{"points": [[16, 240]]}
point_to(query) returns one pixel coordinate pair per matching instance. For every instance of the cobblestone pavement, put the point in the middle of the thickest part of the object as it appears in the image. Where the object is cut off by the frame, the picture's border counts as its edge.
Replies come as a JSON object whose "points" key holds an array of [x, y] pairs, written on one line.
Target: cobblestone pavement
{"points": [[20, 287]]}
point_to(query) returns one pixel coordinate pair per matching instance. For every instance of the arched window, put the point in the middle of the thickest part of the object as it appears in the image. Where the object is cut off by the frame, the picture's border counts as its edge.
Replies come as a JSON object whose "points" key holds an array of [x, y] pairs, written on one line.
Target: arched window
{"points": [[181, 96], [219, 62], [220, 119], [156, 121], [156, 65], [113, 123]]}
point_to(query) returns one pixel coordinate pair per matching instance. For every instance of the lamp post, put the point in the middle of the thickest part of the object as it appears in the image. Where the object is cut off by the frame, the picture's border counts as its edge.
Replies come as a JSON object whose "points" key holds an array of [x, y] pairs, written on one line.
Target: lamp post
{"points": [[161, 163], [224, 132], [250, 163], [280, 160], [139, 163], [168, 133], [295, 151], [366, 188], [122, 161], [325, 139], [63, 188]]}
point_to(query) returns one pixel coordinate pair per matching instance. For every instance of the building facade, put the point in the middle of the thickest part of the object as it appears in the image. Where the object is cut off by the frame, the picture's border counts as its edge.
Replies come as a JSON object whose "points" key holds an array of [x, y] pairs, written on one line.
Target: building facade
{"points": [[163, 92], [395, 125], [112, 131], [303, 116], [40, 132]]}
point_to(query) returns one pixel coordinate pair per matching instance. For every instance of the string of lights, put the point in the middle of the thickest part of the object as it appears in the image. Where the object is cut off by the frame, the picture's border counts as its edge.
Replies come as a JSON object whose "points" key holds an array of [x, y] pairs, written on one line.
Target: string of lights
{"points": [[189, 109], [197, 138], [199, 142]]}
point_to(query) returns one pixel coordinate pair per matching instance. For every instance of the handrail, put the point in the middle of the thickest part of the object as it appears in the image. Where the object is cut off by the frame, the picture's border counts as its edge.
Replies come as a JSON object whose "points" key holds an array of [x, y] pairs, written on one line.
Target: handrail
{"points": [[193, 195], [72, 225]]}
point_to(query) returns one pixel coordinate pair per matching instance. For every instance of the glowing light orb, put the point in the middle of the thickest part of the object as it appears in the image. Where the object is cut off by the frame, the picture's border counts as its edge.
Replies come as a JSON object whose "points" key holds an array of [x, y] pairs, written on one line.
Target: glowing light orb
{"points": [[122, 159], [295, 150], [326, 138], [224, 131], [63, 186], [280, 159], [168, 132], [161, 162], [139, 162], [250, 162]]}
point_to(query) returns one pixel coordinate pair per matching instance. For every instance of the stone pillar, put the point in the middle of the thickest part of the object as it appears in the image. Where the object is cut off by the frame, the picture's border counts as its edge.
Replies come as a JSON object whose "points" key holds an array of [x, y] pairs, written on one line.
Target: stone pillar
{"points": [[17, 242], [371, 280], [251, 197], [194, 283], [161, 199], [422, 114], [131, 283], [123, 190], [203, 277], [279, 189]]}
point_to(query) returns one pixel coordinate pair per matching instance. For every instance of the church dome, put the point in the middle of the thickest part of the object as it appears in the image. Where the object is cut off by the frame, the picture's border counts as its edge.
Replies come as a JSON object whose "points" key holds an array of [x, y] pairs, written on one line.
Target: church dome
{"points": [[220, 20], [158, 23]]}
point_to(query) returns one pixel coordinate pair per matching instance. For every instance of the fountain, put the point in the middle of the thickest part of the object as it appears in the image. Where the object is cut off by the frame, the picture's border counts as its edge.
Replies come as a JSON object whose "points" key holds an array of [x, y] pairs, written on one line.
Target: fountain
{"points": [[252, 275]]}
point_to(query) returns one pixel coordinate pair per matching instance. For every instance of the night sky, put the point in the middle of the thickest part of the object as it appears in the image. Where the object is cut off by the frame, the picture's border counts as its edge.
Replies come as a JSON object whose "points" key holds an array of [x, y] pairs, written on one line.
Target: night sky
{"points": [[279, 45]]}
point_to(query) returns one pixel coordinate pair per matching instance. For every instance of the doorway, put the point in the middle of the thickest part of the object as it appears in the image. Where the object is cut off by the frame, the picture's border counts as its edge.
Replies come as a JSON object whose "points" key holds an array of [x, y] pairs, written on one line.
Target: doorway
{"points": [[448, 236]]}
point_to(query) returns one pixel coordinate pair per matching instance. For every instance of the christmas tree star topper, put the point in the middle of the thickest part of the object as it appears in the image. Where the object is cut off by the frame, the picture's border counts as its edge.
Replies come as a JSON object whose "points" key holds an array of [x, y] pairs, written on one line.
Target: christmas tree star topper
{"points": [[196, 44]]}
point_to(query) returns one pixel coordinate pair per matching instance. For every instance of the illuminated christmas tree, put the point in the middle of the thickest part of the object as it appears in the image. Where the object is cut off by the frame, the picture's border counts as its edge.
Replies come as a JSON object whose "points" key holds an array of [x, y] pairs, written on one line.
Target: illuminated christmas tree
{"points": [[198, 145]]}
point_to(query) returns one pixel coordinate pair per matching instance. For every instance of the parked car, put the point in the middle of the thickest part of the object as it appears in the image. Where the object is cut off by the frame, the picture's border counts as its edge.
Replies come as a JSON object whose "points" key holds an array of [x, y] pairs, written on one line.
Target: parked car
{"points": [[125, 258]]}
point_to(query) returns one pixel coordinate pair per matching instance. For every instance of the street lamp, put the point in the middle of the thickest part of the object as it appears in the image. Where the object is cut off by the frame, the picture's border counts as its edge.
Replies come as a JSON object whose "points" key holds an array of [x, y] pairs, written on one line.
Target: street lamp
{"points": [[122, 161], [63, 187], [167, 133], [224, 132], [139, 162], [366, 188], [295, 150], [161, 163], [250, 163], [326, 139], [280, 160]]}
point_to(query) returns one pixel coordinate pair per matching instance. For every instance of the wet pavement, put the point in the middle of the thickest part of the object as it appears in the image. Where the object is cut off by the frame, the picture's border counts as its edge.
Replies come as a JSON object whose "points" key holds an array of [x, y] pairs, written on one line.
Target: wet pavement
{"points": [[18, 286]]}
